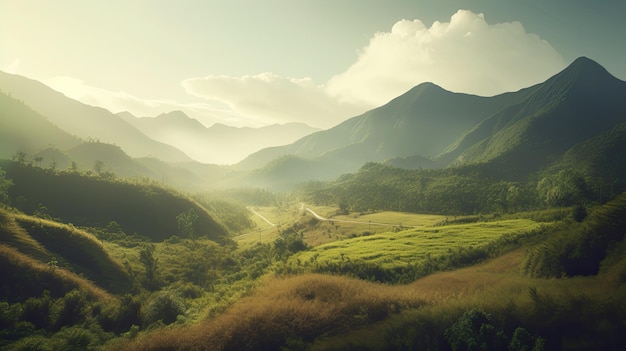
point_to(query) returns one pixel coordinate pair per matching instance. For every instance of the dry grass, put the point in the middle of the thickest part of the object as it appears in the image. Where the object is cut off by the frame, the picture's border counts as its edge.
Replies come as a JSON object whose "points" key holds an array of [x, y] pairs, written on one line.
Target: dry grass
{"points": [[304, 307], [19, 266], [337, 312]]}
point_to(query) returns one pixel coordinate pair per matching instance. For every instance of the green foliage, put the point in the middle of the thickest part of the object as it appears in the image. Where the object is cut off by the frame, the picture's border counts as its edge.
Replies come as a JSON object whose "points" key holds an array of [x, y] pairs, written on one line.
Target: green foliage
{"points": [[146, 209], [451, 191], [565, 188], [579, 248], [150, 264], [164, 307], [475, 330], [187, 223], [235, 216], [5, 184], [289, 242]]}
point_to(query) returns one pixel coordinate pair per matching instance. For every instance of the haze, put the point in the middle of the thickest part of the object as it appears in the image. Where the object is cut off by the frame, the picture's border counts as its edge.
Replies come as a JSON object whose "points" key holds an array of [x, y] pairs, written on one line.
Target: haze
{"points": [[248, 63]]}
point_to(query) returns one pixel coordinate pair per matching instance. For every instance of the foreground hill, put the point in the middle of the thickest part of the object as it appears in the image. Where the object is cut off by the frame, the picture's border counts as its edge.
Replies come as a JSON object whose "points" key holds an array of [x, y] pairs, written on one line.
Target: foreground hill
{"points": [[502, 304], [146, 209], [218, 144], [43, 241], [85, 121]]}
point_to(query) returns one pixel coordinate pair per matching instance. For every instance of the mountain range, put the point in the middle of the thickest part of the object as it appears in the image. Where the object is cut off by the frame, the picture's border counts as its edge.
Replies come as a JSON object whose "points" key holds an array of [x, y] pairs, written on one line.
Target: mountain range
{"points": [[429, 127], [515, 133], [206, 144]]}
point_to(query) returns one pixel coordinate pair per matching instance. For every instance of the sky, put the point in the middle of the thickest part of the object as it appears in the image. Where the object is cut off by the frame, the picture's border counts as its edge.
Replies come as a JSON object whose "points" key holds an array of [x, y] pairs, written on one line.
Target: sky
{"points": [[260, 62]]}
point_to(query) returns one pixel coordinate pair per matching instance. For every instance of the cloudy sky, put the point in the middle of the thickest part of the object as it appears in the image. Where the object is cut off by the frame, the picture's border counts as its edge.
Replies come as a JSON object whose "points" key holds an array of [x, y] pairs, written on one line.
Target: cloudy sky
{"points": [[258, 62]]}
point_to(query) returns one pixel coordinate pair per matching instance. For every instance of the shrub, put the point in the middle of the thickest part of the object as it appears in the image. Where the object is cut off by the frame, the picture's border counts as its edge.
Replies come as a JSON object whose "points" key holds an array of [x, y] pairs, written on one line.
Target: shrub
{"points": [[164, 307]]}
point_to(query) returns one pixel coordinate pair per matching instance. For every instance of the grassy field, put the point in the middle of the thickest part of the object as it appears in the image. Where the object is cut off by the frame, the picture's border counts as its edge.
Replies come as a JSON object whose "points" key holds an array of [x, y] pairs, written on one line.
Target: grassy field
{"points": [[397, 249], [264, 231]]}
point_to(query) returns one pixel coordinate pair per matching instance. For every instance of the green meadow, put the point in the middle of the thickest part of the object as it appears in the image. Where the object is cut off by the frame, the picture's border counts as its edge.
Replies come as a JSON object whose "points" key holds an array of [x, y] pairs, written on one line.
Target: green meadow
{"points": [[397, 249]]}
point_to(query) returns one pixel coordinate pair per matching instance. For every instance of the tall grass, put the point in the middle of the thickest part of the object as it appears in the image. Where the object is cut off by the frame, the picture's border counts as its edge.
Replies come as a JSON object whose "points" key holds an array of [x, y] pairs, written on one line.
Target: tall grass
{"points": [[80, 251], [23, 276]]}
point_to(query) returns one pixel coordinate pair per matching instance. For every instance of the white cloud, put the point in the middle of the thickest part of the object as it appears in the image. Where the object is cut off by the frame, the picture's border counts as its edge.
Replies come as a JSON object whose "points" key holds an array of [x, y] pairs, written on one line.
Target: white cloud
{"points": [[118, 101], [274, 99], [464, 55]]}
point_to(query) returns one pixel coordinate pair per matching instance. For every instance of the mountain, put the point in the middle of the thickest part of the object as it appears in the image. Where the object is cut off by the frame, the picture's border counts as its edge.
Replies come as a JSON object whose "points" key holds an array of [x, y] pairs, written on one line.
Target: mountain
{"points": [[515, 133], [574, 105], [421, 122], [84, 121], [24, 130], [218, 144]]}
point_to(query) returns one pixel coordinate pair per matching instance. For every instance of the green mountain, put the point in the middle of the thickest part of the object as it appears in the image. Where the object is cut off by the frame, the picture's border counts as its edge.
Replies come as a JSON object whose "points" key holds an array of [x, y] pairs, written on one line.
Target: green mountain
{"points": [[423, 121], [87, 122], [218, 144], [516, 133], [24, 130], [576, 104]]}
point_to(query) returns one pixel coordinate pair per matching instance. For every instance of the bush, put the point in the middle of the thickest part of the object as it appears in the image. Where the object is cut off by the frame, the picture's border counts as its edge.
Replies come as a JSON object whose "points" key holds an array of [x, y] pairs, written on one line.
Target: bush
{"points": [[164, 307]]}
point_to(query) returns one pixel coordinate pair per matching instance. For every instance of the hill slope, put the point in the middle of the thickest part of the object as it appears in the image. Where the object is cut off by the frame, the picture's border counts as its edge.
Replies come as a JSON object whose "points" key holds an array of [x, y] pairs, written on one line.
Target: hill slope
{"points": [[145, 209], [578, 103], [86, 121], [74, 250], [423, 121], [23, 129]]}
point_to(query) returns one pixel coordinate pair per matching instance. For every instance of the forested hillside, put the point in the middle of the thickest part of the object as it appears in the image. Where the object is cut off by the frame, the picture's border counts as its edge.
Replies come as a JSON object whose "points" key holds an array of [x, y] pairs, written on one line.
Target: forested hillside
{"points": [[142, 207]]}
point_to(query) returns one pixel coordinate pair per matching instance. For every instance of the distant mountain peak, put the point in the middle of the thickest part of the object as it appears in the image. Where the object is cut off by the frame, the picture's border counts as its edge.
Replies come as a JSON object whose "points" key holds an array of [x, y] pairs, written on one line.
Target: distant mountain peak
{"points": [[582, 72]]}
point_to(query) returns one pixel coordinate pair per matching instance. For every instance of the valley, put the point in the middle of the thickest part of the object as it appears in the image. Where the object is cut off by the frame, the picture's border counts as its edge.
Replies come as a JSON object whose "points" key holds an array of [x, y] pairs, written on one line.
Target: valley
{"points": [[438, 221]]}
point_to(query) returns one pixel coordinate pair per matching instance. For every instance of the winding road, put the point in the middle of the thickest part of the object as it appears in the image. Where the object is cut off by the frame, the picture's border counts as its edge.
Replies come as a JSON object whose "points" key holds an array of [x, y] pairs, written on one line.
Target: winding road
{"points": [[304, 208], [262, 217]]}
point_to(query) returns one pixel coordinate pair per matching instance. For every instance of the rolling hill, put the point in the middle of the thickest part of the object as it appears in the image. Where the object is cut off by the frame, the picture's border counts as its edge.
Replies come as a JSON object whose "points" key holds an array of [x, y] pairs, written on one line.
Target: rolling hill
{"points": [[145, 209]]}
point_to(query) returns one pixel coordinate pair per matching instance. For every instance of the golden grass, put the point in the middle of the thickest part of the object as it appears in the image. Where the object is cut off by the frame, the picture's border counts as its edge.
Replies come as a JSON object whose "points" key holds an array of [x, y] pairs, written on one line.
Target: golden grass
{"points": [[296, 307], [15, 236], [342, 312], [28, 267], [73, 248]]}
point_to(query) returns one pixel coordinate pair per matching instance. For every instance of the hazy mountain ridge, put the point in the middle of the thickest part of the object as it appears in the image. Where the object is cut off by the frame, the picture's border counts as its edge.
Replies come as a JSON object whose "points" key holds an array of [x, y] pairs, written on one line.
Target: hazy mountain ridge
{"points": [[218, 144], [87, 122], [23, 129]]}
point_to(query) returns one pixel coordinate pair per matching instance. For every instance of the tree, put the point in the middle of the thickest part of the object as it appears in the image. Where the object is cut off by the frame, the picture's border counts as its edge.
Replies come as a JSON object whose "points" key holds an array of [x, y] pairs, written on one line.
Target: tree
{"points": [[150, 263], [38, 160], [98, 167], [20, 157], [5, 184], [186, 223], [73, 166]]}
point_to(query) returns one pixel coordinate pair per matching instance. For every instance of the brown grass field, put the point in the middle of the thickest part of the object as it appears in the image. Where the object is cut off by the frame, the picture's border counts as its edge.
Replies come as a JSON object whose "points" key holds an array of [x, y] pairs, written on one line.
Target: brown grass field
{"points": [[336, 312]]}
